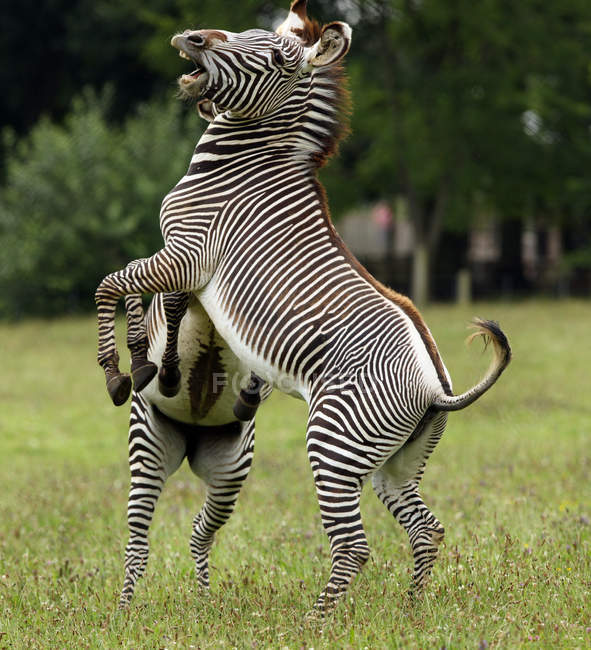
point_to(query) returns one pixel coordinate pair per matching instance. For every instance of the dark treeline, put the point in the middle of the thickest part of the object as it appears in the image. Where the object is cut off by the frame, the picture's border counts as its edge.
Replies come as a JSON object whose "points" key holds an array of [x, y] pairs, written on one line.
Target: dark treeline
{"points": [[459, 107]]}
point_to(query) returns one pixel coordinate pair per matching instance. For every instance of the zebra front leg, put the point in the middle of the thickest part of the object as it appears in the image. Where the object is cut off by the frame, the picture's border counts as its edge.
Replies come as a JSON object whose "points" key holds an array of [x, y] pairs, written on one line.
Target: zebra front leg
{"points": [[169, 377], [168, 270], [118, 383], [142, 370], [222, 458], [249, 399], [155, 452]]}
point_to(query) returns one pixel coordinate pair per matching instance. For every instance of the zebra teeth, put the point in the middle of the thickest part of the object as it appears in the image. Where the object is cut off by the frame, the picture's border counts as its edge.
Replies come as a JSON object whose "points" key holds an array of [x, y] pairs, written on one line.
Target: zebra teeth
{"points": [[184, 55], [190, 80]]}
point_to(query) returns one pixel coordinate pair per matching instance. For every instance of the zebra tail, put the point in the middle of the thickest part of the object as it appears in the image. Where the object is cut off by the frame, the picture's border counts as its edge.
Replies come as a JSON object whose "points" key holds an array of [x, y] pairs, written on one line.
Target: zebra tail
{"points": [[491, 333]]}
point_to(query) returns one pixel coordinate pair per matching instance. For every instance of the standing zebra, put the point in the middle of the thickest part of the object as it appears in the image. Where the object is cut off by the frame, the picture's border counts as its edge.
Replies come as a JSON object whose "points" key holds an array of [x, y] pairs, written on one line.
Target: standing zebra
{"points": [[248, 234], [197, 422]]}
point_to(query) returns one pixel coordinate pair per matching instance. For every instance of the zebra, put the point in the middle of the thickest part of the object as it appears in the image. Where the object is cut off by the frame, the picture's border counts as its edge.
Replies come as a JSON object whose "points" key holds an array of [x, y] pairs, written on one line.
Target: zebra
{"points": [[248, 235], [175, 306], [169, 378], [192, 419]]}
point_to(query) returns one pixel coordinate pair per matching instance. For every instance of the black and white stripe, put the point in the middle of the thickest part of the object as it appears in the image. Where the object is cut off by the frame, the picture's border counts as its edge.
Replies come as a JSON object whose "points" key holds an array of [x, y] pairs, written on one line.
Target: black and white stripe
{"points": [[248, 235]]}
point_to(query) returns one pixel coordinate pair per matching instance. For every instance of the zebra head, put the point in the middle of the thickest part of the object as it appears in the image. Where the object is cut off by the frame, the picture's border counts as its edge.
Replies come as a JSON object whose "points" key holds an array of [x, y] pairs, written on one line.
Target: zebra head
{"points": [[253, 73]]}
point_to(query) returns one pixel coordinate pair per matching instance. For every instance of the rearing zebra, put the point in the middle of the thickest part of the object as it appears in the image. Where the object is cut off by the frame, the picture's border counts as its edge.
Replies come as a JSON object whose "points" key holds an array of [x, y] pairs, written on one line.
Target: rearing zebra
{"points": [[248, 234]]}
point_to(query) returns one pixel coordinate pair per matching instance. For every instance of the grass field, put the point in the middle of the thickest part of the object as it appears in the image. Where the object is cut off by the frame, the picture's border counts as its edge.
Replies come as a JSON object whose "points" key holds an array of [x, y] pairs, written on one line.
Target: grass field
{"points": [[510, 481]]}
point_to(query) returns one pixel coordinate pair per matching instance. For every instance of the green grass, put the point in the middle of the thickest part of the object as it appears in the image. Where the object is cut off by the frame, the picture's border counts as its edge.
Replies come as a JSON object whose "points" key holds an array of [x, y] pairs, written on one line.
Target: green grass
{"points": [[510, 481]]}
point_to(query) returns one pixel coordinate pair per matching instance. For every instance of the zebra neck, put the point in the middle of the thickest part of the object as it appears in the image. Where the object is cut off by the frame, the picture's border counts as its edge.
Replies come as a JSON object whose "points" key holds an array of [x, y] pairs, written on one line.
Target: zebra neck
{"points": [[305, 128]]}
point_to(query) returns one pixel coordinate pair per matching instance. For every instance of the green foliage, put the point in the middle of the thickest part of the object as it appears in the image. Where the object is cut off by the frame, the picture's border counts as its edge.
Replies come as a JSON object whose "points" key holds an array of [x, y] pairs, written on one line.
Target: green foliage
{"points": [[82, 199], [441, 91], [510, 480], [456, 105], [60, 46], [579, 259]]}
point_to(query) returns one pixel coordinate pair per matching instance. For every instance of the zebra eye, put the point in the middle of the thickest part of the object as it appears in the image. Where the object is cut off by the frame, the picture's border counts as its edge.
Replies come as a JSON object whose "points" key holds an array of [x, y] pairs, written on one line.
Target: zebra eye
{"points": [[278, 57]]}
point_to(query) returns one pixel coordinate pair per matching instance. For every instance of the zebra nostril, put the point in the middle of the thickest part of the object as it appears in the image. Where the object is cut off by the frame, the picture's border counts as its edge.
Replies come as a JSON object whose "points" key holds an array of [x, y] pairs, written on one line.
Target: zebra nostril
{"points": [[196, 39]]}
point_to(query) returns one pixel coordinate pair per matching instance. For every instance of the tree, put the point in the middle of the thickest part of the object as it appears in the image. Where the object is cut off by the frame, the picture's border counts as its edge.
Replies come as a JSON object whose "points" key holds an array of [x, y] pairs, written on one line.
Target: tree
{"points": [[454, 102], [82, 200], [442, 93]]}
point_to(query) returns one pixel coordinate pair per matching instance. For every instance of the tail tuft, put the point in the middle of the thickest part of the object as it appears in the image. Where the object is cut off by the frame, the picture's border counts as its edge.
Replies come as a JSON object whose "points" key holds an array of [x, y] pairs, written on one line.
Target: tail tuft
{"points": [[491, 333]]}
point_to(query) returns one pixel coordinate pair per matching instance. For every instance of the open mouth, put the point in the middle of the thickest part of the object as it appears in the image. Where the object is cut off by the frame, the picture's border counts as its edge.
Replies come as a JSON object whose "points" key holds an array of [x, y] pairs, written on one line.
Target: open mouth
{"points": [[199, 70], [194, 82]]}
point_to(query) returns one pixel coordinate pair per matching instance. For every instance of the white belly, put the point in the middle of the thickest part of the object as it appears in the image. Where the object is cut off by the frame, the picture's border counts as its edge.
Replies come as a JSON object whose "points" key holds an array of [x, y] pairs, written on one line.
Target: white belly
{"points": [[211, 373]]}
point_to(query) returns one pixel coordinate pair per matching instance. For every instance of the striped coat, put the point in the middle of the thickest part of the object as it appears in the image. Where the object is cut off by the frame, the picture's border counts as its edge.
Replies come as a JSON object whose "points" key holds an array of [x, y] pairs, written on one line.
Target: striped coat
{"points": [[248, 235]]}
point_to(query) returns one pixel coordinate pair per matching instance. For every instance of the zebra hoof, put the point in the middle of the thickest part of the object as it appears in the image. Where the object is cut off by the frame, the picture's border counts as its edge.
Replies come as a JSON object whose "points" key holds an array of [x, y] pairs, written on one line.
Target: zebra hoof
{"points": [[143, 375], [169, 381], [124, 603], [437, 535], [315, 616], [412, 596], [245, 410], [119, 388]]}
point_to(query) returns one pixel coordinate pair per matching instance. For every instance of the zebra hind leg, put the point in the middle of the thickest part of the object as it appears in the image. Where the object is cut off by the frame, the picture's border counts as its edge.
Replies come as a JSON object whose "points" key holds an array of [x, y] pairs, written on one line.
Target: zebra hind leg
{"points": [[142, 370], [156, 449], [425, 532], [349, 550], [338, 487], [222, 458], [396, 485], [169, 377]]}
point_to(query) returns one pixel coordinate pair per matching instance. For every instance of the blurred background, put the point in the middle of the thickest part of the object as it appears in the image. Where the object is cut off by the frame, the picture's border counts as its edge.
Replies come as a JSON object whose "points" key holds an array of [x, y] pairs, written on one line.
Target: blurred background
{"points": [[466, 177], [466, 174]]}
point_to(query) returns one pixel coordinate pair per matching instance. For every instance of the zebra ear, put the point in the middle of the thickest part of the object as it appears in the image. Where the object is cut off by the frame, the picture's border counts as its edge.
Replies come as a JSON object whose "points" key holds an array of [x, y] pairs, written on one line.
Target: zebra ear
{"points": [[333, 44], [295, 24]]}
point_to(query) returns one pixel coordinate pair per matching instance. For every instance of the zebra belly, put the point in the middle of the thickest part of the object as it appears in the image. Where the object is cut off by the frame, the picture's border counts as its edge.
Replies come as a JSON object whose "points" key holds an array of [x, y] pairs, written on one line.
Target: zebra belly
{"points": [[211, 373], [403, 340]]}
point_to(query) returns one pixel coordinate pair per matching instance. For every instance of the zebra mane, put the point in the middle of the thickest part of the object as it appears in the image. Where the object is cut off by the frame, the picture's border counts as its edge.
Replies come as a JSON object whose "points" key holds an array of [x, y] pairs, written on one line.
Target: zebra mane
{"points": [[332, 84], [299, 26]]}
